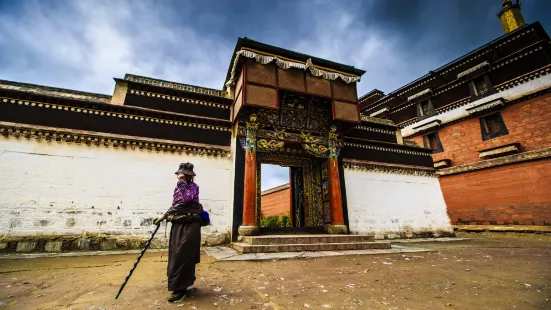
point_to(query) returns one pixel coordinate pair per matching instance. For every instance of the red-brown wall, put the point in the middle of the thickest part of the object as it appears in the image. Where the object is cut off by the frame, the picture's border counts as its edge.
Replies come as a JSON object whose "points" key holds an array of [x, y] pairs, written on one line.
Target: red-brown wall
{"points": [[518, 193], [528, 123], [509, 194], [276, 203]]}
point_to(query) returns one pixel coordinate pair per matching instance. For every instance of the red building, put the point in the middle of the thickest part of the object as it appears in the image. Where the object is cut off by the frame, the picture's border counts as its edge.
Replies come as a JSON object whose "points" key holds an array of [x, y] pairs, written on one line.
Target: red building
{"points": [[487, 118], [276, 201]]}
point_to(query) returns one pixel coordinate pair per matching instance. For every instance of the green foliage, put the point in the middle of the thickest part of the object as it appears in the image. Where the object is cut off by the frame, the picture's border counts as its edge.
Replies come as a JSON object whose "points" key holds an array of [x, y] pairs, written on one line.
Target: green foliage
{"points": [[274, 221]]}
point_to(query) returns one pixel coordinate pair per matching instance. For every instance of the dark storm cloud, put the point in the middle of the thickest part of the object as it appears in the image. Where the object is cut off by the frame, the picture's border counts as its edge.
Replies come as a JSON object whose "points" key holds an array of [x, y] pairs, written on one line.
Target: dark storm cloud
{"points": [[84, 44]]}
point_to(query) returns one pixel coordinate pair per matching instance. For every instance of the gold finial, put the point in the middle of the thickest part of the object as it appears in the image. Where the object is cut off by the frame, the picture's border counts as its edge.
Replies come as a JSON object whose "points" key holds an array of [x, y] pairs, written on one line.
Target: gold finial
{"points": [[510, 16]]}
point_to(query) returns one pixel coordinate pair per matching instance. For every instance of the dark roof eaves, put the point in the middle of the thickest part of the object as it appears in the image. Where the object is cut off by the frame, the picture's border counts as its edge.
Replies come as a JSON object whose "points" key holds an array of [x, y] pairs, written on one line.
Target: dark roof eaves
{"points": [[246, 42], [466, 56]]}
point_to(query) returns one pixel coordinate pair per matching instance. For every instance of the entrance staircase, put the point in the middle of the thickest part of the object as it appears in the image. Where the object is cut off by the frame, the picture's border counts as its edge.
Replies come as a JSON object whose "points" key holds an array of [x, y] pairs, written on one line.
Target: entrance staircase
{"points": [[307, 243]]}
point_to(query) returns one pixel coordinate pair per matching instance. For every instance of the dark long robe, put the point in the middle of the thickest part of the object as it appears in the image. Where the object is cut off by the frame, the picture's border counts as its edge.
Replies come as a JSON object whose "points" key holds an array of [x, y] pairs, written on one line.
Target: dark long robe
{"points": [[184, 246]]}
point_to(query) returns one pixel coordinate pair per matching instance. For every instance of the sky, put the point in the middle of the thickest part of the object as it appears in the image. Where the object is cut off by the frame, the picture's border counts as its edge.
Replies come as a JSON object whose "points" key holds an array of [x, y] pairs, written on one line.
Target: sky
{"points": [[84, 44]]}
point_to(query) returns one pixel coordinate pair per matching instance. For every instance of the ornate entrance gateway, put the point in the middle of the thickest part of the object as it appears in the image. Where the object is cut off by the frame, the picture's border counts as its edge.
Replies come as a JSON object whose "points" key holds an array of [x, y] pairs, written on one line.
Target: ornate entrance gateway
{"points": [[289, 111], [299, 135]]}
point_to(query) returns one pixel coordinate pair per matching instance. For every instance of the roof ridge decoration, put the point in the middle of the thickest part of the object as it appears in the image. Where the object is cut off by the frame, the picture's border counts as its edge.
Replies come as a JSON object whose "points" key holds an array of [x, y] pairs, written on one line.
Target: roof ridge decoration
{"points": [[285, 63], [173, 85]]}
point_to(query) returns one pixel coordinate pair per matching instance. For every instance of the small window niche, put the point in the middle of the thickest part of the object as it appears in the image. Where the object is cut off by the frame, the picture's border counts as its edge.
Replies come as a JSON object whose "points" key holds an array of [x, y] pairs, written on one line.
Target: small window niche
{"points": [[432, 141], [481, 87], [425, 109], [492, 126]]}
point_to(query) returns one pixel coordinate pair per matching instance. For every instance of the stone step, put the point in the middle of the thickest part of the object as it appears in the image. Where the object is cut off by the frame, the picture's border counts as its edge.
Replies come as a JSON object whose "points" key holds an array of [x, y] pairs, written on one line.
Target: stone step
{"points": [[305, 239], [312, 247]]}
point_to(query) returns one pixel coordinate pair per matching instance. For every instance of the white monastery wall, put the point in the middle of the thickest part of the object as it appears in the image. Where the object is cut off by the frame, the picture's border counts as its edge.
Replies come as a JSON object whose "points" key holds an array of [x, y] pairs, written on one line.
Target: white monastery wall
{"points": [[391, 205], [50, 188]]}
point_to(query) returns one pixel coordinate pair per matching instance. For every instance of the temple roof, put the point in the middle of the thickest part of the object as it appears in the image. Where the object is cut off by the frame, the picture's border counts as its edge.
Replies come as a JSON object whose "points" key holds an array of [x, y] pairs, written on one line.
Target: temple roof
{"points": [[466, 57], [53, 91], [252, 44]]}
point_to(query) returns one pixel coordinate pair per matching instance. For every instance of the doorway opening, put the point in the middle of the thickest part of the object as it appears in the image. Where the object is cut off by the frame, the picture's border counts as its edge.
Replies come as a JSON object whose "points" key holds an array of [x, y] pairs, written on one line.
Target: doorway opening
{"points": [[291, 194], [275, 197]]}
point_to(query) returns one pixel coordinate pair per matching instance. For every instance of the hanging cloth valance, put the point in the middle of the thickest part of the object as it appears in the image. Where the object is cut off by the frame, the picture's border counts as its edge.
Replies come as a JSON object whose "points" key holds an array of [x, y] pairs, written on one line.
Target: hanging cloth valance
{"points": [[286, 64]]}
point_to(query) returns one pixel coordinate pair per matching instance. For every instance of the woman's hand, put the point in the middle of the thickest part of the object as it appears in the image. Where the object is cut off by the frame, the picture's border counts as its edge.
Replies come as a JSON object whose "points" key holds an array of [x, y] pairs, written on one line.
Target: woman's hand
{"points": [[158, 220]]}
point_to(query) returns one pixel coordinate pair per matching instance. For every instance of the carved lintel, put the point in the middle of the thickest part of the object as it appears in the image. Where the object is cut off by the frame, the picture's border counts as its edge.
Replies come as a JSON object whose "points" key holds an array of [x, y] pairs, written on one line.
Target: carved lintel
{"points": [[432, 124], [269, 145], [474, 69], [444, 163], [380, 112], [485, 106], [420, 94], [500, 151]]}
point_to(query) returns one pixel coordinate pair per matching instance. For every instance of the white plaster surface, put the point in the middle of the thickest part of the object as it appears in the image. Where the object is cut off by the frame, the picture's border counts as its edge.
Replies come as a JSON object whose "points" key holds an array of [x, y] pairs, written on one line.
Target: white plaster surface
{"points": [[56, 188], [389, 204], [509, 94]]}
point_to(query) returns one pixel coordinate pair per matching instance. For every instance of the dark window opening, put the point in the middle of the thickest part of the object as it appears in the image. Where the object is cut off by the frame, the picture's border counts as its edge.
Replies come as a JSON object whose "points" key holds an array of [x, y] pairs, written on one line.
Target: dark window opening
{"points": [[432, 141], [481, 87], [425, 109], [492, 126]]}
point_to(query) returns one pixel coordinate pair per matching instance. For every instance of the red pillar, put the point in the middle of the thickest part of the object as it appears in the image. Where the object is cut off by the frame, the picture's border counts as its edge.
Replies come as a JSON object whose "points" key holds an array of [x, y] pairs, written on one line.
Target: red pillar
{"points": [[249, 198], [249, 226], [337, 218]]}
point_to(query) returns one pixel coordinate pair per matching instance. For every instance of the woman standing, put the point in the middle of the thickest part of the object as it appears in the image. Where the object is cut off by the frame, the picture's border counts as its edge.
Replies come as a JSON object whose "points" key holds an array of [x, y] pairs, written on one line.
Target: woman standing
{"points": [[185, 235]]}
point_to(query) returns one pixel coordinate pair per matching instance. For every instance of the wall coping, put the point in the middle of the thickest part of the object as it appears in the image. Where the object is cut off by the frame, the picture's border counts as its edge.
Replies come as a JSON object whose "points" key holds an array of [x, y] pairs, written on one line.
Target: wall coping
{"points": [[496, 162]]}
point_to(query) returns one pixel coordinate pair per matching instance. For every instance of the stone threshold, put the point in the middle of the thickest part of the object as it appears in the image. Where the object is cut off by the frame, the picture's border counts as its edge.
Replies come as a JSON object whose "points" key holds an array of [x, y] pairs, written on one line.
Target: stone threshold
{"points": [[222, 254], [420, 240], [504, 228]]}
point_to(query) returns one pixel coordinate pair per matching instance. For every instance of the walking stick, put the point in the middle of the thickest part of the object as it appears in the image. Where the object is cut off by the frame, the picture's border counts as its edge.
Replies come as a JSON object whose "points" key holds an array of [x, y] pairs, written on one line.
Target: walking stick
{"points": [[137, 261]]}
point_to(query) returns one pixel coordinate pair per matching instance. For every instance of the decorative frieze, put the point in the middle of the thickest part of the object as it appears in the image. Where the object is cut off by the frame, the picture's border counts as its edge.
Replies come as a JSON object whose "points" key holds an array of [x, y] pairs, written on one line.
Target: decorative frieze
{"points": [[391, 169], [524, 78], [447, 87], [285, 63], [485, 106], [471, 59], [453, 105], [180, 99], [177, 86], [502, 150], [416, 86], [379, 130], [410, 121], [110, 114], [514, 57], [387, 149], [83, 138]]}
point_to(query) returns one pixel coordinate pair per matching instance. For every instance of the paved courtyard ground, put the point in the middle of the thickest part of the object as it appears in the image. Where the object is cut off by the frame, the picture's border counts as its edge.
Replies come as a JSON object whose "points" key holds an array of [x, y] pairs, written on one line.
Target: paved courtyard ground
{"points": [[490, 271]]}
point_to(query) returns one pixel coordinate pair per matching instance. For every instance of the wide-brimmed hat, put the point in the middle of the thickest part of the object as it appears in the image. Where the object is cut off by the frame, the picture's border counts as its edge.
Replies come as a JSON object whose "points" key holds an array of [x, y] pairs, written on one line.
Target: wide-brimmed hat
{"points": [[186, 168]]}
